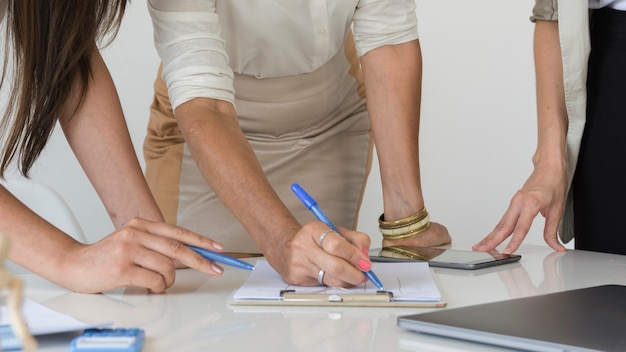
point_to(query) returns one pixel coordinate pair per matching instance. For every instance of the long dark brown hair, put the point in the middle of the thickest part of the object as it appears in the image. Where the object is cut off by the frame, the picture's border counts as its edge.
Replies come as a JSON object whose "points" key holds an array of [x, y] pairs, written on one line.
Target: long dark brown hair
{"points": [[51, 42]]}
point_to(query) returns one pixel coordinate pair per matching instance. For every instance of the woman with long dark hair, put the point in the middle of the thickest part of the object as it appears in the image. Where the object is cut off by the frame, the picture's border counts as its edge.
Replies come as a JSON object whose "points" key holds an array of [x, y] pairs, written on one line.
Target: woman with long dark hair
{"points": [[55, 72]]}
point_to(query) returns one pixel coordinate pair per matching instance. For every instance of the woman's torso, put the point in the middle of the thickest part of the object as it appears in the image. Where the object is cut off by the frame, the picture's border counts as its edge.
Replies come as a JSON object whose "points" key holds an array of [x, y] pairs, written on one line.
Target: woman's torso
{"points": [[273, 38], [203, 43]]}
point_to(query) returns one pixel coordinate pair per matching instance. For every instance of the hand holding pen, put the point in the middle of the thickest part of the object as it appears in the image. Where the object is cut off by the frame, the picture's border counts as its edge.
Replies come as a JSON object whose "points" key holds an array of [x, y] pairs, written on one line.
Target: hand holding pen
{"points": [[222, 258], [311, 204]]}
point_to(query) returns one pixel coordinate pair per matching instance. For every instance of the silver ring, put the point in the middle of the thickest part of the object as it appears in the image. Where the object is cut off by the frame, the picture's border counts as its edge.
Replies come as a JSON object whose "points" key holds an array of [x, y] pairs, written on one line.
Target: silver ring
{"points": [[320, 277], [323, 236]]}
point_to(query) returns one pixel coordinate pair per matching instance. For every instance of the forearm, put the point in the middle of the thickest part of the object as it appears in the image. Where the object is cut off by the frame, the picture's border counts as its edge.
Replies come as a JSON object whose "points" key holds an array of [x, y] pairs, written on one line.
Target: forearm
{"points": [[551, 111], [228, 163], [35, 243], [393, 76], [544, 190], [99, 137]]}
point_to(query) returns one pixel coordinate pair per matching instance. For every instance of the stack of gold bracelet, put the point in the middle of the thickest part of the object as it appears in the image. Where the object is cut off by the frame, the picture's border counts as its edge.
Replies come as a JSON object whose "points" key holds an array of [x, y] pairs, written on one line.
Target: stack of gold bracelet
{"points": [[403, 252], [404, 228]]}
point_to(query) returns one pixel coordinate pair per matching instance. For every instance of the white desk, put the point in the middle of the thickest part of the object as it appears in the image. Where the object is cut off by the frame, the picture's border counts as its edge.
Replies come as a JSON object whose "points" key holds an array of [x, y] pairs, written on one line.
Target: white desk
{"points": [[193, 314]]}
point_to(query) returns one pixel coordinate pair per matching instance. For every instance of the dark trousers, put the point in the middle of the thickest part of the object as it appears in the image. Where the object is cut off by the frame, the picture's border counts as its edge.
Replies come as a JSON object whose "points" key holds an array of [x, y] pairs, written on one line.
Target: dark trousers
{"points": [[600, 177]]}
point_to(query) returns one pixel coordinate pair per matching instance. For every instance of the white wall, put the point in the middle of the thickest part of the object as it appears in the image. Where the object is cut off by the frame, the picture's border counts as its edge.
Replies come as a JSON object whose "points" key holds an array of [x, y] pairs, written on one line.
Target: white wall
{"points": [[478, 116], [478, 129]]}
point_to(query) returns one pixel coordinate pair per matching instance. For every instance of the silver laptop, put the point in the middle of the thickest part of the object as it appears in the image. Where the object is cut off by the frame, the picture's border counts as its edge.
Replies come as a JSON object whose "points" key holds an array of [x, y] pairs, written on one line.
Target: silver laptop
{"points": [[587, 319]]}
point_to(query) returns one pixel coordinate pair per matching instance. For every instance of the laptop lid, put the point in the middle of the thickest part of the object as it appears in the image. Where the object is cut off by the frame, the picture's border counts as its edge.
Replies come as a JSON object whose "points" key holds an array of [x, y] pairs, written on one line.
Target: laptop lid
{"points": [[587, 319]]}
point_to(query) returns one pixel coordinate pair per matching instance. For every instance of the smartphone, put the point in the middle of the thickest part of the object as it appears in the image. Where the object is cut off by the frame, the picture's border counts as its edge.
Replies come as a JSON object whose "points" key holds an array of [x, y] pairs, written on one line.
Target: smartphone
{"points": [[442, 258]]}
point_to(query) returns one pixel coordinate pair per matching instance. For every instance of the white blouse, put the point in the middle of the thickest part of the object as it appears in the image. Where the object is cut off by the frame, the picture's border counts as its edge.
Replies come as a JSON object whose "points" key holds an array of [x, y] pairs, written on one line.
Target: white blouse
{"points": [[616, 4], [202, 42]]}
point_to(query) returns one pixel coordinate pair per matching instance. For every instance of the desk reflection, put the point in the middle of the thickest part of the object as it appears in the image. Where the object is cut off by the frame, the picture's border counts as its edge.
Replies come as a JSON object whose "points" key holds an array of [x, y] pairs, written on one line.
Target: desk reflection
{"points": [[194, 314]]}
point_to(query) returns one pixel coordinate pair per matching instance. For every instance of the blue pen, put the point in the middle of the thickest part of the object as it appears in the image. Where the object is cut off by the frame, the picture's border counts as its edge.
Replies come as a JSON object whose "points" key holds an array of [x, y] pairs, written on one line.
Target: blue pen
{"points": [[222, 258], [311, 204]]}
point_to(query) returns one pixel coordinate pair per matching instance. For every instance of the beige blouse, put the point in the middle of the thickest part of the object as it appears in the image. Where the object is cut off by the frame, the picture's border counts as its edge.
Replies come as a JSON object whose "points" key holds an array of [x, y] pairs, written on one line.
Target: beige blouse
{"points": [[203, 42]]}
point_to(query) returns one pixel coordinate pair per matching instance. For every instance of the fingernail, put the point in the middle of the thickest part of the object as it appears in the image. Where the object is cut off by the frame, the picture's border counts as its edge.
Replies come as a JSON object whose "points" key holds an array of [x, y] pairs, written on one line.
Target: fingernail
{"points": [[217, 269], [365, 265], [366, 251], [218, 246]]}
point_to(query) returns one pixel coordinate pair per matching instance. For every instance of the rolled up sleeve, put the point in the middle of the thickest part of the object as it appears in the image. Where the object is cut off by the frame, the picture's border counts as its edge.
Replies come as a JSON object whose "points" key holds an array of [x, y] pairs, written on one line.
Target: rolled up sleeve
{"points": [[187, 39], [382, 22], [545, 10]]}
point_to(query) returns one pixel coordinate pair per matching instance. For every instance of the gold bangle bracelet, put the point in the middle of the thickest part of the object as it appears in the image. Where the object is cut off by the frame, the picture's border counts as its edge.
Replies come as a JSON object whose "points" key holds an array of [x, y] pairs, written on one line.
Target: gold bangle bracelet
{"points": [[409, 228], [402, 222], [413, 233], [402, 252]]}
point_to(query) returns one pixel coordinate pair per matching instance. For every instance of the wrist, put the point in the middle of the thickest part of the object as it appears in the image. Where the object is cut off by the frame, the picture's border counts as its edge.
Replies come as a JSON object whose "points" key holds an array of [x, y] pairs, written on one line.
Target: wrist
{"points": [[553, 164], [404, 228], [552, 159], [63, 270], [277, 240]]}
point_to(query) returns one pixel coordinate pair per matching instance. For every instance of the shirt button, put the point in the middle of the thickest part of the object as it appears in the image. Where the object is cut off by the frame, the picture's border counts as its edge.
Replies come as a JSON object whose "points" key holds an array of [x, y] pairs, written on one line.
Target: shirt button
{"points": [[321, 31]]}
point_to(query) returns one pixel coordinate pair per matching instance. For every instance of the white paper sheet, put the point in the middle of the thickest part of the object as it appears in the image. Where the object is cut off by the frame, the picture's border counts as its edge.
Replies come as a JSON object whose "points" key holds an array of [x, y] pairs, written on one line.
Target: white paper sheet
{"points": [[42, 320], [410, 282]]}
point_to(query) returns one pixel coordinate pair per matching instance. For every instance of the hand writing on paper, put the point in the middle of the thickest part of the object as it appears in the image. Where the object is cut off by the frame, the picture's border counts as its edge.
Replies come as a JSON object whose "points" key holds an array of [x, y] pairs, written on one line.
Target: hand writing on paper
{"points": [[298, 259]]}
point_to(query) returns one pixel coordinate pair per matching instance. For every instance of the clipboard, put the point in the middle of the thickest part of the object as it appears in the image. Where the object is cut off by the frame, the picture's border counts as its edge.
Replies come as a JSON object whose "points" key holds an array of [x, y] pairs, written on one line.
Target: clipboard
{"points": [[349, 299], [409, 285]]}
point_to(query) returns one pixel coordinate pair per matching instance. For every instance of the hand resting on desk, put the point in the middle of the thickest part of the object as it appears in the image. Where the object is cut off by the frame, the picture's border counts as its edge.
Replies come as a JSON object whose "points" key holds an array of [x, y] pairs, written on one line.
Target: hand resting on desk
{"points": [[141, 253], [543, 193]]}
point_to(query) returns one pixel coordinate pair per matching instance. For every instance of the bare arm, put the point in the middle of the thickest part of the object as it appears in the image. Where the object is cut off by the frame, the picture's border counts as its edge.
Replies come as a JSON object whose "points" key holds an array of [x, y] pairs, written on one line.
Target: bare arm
{"points": [[393, 78], [229, 165], [98, 135], [544, 191], [142, 252], [226, 159]]}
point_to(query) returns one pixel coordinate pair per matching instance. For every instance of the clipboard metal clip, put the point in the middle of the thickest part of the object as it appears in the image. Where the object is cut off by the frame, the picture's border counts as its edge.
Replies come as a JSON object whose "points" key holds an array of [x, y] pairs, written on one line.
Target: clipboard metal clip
{"points": [[326, 297]]}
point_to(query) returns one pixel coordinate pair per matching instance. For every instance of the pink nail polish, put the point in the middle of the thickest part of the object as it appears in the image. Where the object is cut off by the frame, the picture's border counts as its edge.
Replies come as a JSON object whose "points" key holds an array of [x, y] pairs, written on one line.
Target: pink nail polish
{"points": [[366, 252], [365, 265]]}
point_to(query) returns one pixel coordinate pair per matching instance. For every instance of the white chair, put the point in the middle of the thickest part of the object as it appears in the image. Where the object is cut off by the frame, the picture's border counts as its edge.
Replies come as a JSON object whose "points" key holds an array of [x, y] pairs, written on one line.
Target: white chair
{"points": [[47, 203]]}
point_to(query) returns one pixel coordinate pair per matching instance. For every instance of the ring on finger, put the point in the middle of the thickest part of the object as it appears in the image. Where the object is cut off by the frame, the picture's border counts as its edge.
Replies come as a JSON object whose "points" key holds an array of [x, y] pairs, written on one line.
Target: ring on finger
{"points": [[320, 277], [323, 236]]}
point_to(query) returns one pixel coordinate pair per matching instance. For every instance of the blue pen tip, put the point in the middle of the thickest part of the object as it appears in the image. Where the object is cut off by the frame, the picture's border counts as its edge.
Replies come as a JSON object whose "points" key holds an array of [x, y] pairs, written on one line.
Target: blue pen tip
{"points": [[374, 279]]}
